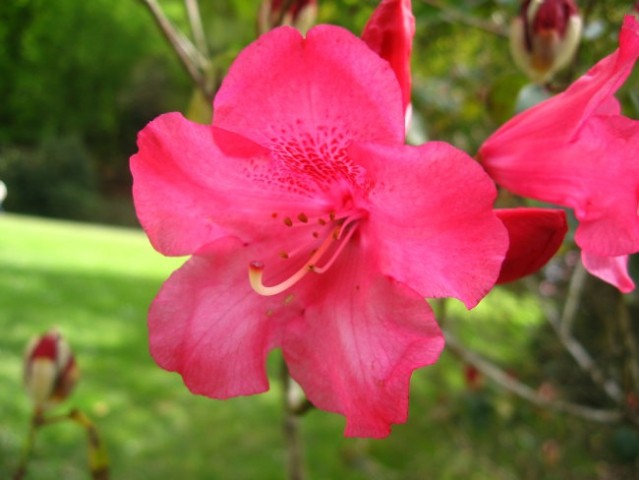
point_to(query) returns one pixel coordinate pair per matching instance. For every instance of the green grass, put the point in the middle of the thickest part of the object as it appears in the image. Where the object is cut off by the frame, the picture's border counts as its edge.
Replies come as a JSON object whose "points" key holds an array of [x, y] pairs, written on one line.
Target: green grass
{"points": [[95, 284]]}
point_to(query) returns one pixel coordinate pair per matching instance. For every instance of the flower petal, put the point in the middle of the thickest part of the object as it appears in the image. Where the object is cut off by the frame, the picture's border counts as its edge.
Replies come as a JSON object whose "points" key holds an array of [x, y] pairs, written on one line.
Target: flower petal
{"points": [[535, 235], [389, 33], [432, 221], [195, 183], [550, 150], [209, 325], [613, 270], [576, 150], [329, 82], [354, 354]]}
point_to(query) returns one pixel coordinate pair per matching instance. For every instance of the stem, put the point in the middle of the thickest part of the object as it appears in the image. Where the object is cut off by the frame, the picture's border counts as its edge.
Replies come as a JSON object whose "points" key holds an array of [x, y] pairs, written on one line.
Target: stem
{"points": [[293, 409], [21, 471], [195, 20], [524, 391], [98, 458], [562, 326], [630, 344], [188, 55]]}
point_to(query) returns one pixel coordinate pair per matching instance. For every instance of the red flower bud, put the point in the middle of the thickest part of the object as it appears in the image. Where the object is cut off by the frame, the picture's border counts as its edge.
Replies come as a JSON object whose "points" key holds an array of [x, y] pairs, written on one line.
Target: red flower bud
{"points": [[544, 37], [300, 14], [50, 371]]}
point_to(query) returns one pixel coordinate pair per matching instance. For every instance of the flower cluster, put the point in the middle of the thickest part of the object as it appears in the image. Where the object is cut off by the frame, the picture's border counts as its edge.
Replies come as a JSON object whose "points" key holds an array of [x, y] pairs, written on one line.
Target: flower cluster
{"points": [[313, 228]]}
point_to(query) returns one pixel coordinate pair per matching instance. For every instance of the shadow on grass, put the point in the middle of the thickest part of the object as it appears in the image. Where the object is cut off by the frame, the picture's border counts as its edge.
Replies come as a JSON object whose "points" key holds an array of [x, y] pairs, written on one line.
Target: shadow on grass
{"points": [[154, 428]]}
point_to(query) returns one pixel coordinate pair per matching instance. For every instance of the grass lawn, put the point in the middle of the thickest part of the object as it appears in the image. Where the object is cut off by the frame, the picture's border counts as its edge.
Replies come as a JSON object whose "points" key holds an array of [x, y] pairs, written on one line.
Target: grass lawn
{"points": [[95, 284]]}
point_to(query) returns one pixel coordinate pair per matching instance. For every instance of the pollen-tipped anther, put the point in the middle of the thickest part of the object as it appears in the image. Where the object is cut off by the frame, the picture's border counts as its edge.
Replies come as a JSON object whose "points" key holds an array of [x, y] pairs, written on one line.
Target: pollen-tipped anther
{"points": [[341, 234]]}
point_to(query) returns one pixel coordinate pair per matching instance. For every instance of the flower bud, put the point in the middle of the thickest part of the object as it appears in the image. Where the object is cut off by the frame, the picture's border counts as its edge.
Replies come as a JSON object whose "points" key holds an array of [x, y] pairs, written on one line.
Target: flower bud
{"points": [[50, 371], [300, 14], [545, 36]]}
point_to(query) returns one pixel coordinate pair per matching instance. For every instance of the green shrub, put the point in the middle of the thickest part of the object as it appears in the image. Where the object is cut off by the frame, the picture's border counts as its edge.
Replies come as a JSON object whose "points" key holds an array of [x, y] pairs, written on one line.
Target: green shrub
{"points": [[57, 179]]}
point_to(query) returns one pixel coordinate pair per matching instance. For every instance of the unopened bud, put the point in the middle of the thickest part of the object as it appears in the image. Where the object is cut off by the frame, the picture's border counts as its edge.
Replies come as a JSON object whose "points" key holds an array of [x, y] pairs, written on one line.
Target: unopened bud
{"points": [[50, 371], [545, 36], [300, 14]]}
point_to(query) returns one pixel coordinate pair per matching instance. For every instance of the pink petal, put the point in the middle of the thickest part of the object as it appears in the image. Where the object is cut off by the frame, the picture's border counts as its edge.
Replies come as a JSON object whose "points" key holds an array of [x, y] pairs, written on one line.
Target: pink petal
{"points": [[360, 338], [576, 150], [434, 228], [389, 33], [194, 184], [613, 270], [328, 83], [609, 216], [535, 235], [211, 327]]}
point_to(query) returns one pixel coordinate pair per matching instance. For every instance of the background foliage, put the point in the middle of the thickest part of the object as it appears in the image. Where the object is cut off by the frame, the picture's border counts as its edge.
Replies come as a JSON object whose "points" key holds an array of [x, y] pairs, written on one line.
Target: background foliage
{"points": [[99, 71]]}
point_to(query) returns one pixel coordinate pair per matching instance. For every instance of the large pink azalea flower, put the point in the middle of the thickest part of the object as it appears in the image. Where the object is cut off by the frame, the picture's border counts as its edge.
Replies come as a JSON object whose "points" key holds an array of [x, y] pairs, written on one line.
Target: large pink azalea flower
{"points": [[577, 150], [312, 228]]}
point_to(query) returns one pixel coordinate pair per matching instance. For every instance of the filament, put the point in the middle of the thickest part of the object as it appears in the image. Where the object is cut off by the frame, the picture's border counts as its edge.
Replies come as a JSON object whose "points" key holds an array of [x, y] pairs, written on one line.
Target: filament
{"points": [[341, 233]]}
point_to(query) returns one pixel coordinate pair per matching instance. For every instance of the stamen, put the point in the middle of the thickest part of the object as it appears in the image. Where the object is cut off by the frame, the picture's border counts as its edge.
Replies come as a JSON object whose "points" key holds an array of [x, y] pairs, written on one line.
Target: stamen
{"points": [[337, 252], [256, 271]]}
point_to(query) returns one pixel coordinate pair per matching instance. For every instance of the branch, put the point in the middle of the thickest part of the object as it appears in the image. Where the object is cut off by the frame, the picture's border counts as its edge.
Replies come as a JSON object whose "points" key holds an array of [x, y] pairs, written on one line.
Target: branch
{"points": [[195, 19], [191, 59], [563, 328], [524, 391], [293, 400], [630, 344], [451, 15]]}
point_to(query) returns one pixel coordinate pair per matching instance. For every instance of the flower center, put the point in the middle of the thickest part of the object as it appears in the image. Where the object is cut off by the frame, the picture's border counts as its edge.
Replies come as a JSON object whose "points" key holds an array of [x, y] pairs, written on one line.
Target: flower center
{"points": [[335, 235]]}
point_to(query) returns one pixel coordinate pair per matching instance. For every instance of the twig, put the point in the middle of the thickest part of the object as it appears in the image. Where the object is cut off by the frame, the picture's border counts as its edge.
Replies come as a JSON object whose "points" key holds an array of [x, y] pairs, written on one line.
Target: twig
{"points": [[562, 326], [451, 15], [524, 391], [292, 412], [21, 471], [185, 50], [576, 286], [630, 344], [98, 458], [195, 20]]}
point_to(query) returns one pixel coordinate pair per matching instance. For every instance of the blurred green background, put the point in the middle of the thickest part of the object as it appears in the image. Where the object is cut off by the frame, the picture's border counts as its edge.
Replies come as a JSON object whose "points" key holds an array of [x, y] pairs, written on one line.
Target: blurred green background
{"points": [[78, 80]]}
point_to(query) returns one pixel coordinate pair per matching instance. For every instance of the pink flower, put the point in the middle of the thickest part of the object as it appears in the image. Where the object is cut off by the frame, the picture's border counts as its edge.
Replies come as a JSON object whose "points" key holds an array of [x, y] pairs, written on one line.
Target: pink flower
{"points": [[312, 228], [389, 32], [50, 370], [300, 14], [544, 37], [577, 150]]}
